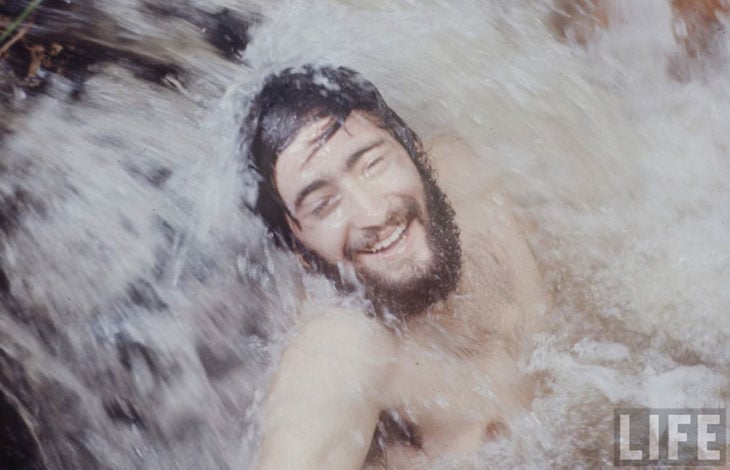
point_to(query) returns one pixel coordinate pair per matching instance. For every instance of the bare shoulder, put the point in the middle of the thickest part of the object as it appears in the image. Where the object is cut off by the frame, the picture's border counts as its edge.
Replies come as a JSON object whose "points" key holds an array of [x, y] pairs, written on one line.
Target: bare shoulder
{"points": [[451, 153], [489, 219], [346, 332], [448, 142], [472, 187], [460, 172]]}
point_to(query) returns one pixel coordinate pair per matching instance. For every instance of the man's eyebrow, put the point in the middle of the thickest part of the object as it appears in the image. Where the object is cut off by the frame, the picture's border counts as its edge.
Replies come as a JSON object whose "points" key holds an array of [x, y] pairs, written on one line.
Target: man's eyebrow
{"points": [[353, 159], [322, 139], [310, 188]]}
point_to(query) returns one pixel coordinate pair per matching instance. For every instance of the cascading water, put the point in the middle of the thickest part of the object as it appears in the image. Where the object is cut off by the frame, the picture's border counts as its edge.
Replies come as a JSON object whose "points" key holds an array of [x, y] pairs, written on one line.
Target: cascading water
{"points": [[142, 308]]}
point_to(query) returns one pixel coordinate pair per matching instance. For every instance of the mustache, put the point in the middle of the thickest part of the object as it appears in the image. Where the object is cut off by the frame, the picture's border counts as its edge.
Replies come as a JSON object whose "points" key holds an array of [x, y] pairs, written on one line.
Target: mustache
{"points": [[369, 236]]}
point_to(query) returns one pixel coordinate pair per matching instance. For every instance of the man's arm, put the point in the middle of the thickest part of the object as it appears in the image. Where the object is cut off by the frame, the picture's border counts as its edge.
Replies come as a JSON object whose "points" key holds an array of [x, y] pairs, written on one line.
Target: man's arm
{"points": [[324, 402]]}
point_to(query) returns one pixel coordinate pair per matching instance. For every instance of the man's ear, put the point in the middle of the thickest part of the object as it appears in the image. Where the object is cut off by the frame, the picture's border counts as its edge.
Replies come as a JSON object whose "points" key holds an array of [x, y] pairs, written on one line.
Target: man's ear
{"points": [[304, 260]]}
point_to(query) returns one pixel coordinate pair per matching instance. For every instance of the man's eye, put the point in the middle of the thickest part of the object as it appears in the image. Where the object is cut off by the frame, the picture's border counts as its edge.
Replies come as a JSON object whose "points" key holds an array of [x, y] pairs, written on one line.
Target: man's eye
{"points": [[374, 165], [322, 205]]}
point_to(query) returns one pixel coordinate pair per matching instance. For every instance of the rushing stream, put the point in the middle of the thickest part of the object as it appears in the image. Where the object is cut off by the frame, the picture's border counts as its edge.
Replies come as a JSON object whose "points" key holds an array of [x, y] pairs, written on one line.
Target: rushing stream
{"points": [[142, 308]]}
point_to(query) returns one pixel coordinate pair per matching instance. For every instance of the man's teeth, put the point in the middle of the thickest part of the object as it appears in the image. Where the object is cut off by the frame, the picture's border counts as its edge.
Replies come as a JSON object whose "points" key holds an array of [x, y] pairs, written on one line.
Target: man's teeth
{"points": [[388, 242]]}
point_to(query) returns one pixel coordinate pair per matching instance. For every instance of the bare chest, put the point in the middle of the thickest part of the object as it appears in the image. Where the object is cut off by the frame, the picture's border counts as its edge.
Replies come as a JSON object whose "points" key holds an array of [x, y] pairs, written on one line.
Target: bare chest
{"points": [[455, 401], [457, 380]]}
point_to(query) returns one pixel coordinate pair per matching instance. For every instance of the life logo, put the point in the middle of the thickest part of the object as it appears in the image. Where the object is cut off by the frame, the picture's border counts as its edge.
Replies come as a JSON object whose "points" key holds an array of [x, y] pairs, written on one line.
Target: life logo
{"points": [[669, 437]]}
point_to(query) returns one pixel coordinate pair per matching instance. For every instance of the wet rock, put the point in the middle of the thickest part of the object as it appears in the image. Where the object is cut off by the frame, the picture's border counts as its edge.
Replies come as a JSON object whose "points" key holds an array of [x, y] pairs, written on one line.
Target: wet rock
{"points": [[18, 446]]}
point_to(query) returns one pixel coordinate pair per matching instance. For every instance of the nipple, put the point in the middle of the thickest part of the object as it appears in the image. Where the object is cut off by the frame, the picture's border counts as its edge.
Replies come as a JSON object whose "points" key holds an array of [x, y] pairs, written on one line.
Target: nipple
{"points": [[496, 429]]}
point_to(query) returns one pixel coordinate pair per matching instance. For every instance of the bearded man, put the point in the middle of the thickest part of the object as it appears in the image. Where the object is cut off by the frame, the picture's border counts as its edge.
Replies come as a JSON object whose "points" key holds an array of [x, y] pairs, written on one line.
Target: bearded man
{"points": [[424, 365]]}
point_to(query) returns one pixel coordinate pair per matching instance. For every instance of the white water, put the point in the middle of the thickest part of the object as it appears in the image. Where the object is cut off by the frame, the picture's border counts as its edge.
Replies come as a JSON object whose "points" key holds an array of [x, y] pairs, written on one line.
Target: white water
{"points": [[623, 168]]}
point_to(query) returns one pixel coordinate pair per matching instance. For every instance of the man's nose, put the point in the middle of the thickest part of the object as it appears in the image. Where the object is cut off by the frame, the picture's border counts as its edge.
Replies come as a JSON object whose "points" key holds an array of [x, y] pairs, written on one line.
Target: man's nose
{"points": [[369, 208]]}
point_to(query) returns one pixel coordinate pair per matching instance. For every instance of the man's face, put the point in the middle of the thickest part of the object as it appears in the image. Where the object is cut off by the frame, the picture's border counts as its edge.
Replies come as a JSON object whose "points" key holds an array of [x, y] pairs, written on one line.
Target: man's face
{"points": [[359, 201]]}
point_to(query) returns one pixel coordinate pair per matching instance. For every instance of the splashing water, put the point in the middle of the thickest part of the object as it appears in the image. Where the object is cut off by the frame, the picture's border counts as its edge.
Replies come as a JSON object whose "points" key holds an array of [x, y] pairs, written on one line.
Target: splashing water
{"points": [[143, 309]]}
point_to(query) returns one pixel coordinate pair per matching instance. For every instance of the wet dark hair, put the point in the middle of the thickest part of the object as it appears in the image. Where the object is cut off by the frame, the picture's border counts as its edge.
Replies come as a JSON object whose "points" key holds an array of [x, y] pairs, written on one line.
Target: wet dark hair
{"points": [[296, 97]]}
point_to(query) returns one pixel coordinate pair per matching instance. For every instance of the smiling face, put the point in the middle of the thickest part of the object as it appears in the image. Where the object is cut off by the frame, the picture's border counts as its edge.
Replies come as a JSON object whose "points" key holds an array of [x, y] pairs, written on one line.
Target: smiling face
{"points": [[356, 197], [356, 200]]}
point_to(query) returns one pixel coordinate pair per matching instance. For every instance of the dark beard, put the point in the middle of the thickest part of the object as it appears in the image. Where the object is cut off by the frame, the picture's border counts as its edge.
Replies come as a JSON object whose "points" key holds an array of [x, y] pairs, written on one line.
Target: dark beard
{"points": [[430, 285]]}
